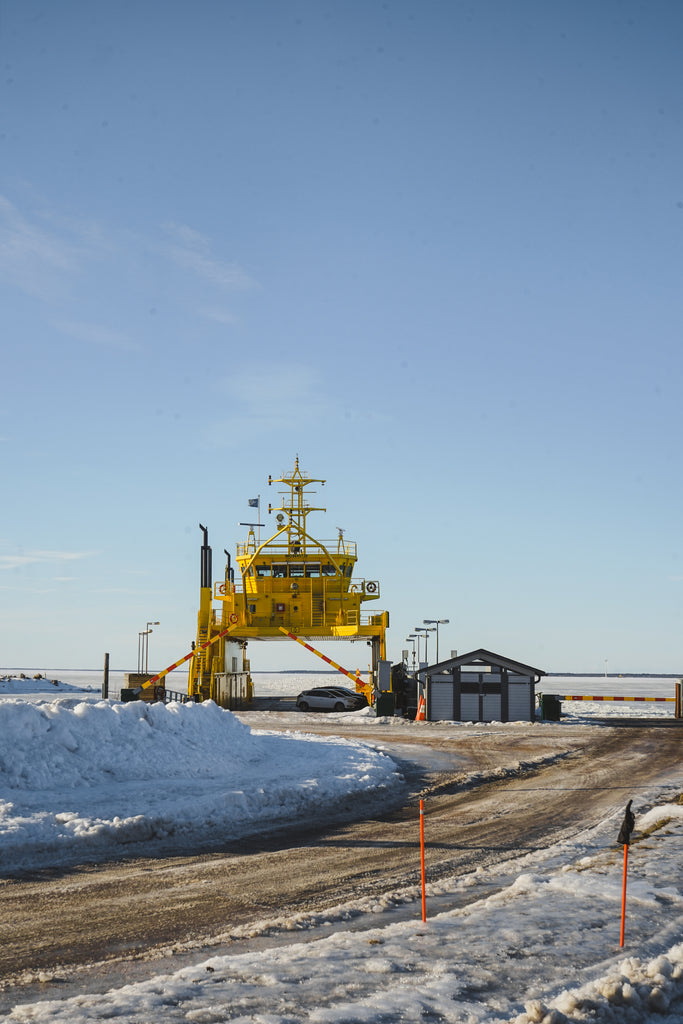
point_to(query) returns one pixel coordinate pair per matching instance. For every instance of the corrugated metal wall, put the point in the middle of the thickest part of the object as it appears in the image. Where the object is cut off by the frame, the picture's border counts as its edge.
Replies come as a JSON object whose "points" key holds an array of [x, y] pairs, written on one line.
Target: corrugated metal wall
{"points": [[486, 696]]}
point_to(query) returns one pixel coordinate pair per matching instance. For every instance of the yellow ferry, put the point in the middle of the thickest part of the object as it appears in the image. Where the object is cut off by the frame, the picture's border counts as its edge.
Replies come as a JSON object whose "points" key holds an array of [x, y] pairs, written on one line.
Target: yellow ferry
{"points": [[290, 586]]}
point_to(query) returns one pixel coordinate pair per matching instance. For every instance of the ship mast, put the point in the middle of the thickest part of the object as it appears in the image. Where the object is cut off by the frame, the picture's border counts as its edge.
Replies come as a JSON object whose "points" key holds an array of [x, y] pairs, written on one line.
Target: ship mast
{"points": [[294, 512]]}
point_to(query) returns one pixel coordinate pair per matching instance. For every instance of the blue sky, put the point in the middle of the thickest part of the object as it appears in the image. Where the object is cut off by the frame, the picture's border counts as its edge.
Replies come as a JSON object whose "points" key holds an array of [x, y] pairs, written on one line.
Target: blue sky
{"points": [[434, 249]]}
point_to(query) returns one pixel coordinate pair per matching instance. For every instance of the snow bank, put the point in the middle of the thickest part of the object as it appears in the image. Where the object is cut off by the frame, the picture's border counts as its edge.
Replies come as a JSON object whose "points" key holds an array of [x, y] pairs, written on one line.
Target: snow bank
{"points": [[79, 779], [55, 746], [631, 993]]}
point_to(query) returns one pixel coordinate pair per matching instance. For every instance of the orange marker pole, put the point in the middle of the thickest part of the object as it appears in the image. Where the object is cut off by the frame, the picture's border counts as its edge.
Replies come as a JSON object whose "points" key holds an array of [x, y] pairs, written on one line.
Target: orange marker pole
{"points": [[422, 859], [623, 896]]}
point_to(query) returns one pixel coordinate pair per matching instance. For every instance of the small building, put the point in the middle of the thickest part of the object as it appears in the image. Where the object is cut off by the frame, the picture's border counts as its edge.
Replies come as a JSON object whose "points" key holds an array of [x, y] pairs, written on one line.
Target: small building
{"points": [[480, 686]]}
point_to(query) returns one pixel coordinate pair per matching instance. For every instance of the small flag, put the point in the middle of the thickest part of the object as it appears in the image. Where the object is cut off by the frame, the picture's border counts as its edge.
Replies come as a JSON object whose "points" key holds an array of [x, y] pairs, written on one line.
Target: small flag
{"points": [[624, 837], [253, 503]]}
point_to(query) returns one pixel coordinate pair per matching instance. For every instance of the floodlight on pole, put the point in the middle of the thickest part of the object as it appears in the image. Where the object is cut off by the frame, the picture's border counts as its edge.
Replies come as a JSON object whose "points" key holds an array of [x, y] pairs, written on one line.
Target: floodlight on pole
{"points": [[436, 623], [426, 630], [141, 650], [411, 640], [147, 632]]}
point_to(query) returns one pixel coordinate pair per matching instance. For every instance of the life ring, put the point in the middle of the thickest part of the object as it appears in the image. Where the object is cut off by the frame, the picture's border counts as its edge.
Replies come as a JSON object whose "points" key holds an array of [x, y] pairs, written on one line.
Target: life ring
{"points": [[221, 589], [371, 587], [160, 693], [234, 617]]}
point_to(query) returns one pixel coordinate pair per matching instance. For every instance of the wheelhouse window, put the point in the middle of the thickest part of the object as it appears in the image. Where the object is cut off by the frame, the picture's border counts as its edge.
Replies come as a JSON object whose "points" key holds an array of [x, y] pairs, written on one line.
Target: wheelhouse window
{"points": [[296, 570], [263, 571], [280, 570], [327, 570], [312, 569]]}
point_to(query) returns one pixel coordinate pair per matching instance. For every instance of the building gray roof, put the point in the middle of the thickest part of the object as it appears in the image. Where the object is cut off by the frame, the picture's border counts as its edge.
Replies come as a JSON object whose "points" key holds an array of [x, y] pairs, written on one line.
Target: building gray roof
{"points": [[484, 657]]}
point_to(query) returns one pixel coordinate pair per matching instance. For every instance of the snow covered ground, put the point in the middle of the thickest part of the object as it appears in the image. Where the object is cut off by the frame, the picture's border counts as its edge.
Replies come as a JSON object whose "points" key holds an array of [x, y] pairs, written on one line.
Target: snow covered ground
{"points": [[531, 940]]}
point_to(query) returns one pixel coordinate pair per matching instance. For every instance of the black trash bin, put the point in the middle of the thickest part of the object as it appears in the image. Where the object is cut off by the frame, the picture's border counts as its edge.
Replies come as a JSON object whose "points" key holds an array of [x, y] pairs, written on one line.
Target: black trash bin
{"points": [[551, 707], [385, 705]]}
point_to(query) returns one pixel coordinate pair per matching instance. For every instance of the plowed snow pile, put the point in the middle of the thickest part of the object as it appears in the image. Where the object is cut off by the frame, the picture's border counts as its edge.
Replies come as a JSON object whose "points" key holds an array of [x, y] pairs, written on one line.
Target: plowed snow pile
{"points": [[78, 779]]}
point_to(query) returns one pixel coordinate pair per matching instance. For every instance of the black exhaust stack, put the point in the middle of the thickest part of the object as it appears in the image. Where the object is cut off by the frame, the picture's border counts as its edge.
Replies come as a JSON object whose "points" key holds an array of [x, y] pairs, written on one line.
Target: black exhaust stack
{"points": [[205, 580]]}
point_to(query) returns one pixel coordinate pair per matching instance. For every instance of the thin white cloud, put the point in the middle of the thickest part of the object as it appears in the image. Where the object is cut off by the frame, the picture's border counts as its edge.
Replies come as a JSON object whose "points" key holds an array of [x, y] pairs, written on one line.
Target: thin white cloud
{"points": [[96, 334], [291, 394], [287, 398], [191, 250], [219, 316], [47, 254], [113, 590], [276, 394], [91, 235], [32, 259], [38, 557]]}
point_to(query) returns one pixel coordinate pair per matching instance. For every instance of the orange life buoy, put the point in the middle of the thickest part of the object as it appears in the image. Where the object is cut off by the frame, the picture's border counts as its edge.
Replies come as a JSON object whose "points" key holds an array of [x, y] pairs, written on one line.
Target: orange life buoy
{"points": [[233, 617], [160, 693], [221, 589]]}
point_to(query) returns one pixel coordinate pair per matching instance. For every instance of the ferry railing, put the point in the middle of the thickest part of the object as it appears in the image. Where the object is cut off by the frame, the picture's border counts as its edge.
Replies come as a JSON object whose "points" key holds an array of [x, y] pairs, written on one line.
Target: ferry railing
{"points": [[168, 696], [320, 548], [310, 618], [270, 585]]}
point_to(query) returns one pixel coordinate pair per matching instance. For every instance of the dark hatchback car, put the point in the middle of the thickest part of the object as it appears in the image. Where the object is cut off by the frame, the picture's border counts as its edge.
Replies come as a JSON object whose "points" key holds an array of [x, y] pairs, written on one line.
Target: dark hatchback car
{"points": [[330, 698]]}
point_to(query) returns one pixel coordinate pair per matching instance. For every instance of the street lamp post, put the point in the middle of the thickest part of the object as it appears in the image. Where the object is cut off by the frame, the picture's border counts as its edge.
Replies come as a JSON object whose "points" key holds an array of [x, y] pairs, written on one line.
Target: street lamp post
{"points": [[147, 632], [418, 630], [141, 650], [436, 623], [411, 640], [426, 630]]}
